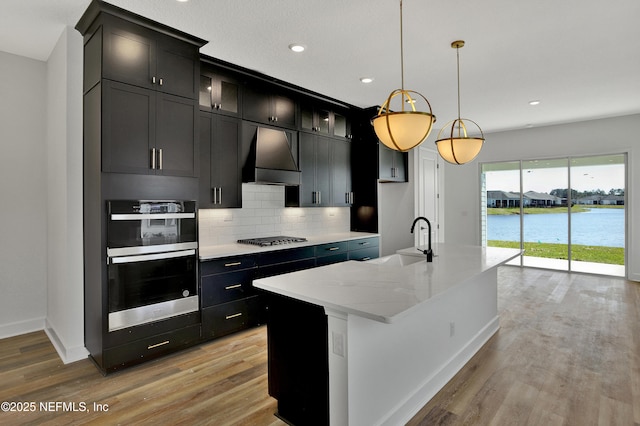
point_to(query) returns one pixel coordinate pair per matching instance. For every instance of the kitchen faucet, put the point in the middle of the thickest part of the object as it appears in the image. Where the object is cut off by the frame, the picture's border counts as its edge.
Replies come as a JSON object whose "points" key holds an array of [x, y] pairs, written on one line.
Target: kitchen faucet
{"points": [[428, 251]]}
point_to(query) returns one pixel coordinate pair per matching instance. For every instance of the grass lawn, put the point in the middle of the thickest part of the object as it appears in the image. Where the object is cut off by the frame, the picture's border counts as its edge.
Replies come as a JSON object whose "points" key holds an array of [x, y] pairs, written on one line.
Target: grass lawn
{"points": [[596, 254]]}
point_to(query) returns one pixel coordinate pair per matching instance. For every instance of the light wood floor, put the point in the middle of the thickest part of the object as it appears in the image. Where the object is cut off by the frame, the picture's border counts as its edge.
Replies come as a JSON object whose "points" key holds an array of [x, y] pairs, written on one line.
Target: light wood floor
{"points": [[568, 352]]}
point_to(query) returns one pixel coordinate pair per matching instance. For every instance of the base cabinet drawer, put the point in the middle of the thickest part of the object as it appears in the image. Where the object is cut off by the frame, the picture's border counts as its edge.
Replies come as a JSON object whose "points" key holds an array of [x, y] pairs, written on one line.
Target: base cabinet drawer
{"points": [[365, 254], [222, 288], [334, 258], [149, 348], [233, 316]]}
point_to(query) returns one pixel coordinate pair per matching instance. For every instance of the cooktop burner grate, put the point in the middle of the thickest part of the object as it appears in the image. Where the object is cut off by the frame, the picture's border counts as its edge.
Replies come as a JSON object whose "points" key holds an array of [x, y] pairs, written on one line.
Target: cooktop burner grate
{"points": [[271, 241]]}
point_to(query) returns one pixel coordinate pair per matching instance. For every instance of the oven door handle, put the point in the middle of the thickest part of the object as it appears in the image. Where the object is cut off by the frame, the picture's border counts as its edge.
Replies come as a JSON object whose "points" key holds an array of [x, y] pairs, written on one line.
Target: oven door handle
{"points": [[148, 257], [143, 216]]}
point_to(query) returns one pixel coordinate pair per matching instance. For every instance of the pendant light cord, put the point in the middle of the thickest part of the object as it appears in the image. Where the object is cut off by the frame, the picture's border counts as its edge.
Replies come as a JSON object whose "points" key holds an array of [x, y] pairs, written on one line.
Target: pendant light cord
{"points": [[458, 56], [401, 50]]}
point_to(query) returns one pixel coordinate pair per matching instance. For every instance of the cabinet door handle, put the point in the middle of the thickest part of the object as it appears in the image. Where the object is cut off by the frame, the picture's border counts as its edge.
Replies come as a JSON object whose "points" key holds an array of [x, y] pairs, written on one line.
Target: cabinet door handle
{"points": [[158, 344], [319, 197], [233, 264], [160, 159], [234, 286], [228, 317], [365, 258], [351, 198], [214, 196], [161, 81], [364, 243], [153, 158], [219, 195], [153, 80], [333, 248]]}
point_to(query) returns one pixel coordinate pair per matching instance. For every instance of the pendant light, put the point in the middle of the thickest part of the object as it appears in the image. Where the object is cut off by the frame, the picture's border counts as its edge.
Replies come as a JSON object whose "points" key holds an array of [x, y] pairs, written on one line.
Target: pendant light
{"points": [[458, 147], [405, 128]]}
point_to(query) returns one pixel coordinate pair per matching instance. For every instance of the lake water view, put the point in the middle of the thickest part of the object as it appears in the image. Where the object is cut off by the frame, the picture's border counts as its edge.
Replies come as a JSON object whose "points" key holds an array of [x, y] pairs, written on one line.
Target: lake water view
{"points": [[595, 227]]}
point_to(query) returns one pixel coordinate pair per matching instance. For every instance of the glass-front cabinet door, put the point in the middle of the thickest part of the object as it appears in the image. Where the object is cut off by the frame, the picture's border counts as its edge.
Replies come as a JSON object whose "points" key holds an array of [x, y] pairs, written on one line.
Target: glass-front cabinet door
{"points": [[219, 93]]}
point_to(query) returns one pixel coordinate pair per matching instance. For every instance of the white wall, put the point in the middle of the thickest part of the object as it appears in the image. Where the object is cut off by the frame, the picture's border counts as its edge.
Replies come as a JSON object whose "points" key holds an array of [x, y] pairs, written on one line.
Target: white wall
{"points": [[65, 305], [23, 195], [604, 136]]}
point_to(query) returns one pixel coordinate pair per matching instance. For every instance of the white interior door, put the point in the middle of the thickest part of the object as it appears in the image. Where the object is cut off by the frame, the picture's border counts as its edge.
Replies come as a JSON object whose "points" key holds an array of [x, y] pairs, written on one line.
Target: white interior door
{"points": [[427, 194]]}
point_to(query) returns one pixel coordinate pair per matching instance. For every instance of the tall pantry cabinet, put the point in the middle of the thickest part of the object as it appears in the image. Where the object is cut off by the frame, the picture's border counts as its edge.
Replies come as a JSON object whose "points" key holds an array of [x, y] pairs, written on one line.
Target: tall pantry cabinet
{"points": [[140, 141]]}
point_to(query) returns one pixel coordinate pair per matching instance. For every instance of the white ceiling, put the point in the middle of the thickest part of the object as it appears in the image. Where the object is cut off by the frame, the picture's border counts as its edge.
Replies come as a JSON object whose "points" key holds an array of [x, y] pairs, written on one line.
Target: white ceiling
{"points": [[580, 58]]}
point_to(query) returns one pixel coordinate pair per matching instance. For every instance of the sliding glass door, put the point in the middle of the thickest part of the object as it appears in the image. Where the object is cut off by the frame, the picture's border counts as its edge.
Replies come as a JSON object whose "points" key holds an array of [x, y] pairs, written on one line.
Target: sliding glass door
{"points": [[566, 213]]}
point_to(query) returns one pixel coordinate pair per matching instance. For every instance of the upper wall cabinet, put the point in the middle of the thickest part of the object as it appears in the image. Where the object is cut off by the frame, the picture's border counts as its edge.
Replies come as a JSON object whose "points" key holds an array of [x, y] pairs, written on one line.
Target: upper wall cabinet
{"points": [[269, 105], [392, 165], [220, 92], [145, 58], [324, 120], [145, 132], [147, 79]]}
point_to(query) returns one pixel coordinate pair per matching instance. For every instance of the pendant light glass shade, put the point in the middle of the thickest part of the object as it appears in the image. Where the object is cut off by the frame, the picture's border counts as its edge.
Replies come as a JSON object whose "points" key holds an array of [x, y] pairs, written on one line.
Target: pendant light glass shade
{"points": [[402, 129], [453, 143], [457, 147]]}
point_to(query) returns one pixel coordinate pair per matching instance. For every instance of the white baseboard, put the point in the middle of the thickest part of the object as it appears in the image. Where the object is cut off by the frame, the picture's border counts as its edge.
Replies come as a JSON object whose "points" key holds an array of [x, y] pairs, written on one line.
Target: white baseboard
{"points": [[440, 378], [22, 327], [66, 354]]}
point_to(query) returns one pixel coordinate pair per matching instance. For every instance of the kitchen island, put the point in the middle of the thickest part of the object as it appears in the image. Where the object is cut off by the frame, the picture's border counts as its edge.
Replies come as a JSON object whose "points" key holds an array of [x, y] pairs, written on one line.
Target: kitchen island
{"points": [[365, 343]]}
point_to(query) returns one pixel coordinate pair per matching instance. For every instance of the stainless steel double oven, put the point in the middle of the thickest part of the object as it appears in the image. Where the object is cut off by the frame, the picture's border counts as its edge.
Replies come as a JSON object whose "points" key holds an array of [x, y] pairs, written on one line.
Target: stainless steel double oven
{"points": [[151, 261]]}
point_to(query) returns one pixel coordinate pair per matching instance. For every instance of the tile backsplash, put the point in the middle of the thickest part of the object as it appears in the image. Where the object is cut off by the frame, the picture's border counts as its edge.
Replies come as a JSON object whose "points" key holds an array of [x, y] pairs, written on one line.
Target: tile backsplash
{"points": [[263, 214]]}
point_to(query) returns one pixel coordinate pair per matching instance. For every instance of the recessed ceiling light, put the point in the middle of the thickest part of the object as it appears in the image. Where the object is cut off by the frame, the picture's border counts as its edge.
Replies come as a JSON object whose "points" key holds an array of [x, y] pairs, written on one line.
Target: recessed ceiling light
{"points": [[366, 80], [297, 47], [536, 102]]}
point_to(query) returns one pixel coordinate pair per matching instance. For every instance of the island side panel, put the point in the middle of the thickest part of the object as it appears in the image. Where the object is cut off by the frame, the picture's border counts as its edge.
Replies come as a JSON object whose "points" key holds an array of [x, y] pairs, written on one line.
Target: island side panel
{"points": [[395, 369], [298, 368]]}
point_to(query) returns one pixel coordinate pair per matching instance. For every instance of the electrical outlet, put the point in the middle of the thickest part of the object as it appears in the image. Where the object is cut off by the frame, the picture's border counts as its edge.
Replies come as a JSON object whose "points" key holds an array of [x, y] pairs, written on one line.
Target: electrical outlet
{"points": [[452, 328], [338, 343]]}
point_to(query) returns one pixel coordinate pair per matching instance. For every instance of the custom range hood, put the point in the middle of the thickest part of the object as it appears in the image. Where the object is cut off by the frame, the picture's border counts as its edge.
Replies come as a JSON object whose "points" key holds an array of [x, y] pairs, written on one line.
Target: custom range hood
{"points": [[270, 160]]}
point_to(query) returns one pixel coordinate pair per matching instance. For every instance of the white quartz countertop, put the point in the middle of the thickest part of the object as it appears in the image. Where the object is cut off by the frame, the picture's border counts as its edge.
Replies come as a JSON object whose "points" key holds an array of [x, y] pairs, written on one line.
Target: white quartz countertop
{"points": [[383, 289], [235, 249]]}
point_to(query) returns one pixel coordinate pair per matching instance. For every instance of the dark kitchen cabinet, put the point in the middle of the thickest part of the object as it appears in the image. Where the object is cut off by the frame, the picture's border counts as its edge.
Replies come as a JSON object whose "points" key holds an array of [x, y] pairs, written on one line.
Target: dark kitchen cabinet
{"points": [[145, 58], [220, 172], [297, 340], [268, 105], [327, 254], [316, 117], [146, 132], [392, 164], [341, 193], [341, 126], [325, 165], [140, 142], [315, 167], [228, 301], [364, 248], [219, 92]]}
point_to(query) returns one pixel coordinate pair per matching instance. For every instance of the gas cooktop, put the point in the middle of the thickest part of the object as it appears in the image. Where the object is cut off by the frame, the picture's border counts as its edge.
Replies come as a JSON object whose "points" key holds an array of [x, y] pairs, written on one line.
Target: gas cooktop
{"points": [[272, 241]]}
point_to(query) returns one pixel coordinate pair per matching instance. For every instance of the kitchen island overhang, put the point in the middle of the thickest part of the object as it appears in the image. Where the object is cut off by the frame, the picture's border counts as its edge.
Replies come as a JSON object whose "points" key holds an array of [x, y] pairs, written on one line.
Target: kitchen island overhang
{"points": [[398, 328]]}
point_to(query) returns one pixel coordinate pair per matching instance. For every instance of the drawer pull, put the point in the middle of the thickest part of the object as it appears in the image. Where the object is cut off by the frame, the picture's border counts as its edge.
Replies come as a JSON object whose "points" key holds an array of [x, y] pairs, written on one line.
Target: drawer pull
{"points": [[364, 243], [333, 248], [233, 316], [233, 264], [366, 258], [231, 287], [158, 344]]}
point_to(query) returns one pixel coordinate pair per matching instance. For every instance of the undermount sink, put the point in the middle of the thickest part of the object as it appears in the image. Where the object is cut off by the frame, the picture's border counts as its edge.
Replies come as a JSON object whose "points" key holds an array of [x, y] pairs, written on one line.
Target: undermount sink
{"points": [[398, 260]]}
